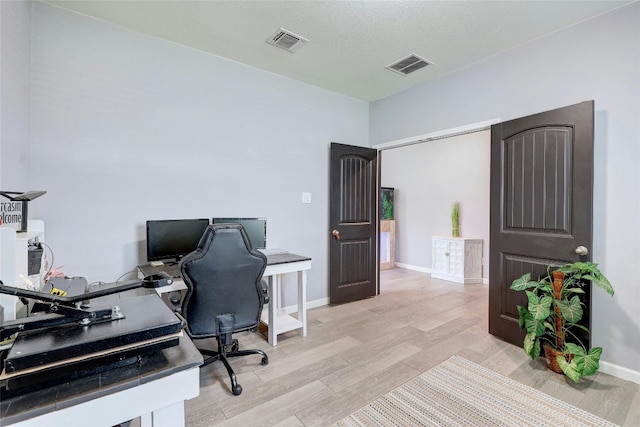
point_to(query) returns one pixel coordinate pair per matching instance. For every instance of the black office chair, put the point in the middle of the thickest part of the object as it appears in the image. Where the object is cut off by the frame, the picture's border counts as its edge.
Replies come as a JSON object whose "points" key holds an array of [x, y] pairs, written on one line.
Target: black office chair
{"points": [[224, 292]]}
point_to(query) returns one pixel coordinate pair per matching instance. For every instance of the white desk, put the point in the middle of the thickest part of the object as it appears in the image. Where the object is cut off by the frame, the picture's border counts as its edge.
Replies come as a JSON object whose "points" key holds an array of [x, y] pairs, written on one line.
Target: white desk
{"points": [[275, 318]]}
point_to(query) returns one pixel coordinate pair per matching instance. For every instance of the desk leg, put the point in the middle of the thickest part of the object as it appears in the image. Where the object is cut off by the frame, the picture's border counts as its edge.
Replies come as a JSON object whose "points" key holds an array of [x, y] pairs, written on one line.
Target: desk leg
{"points": [[302, 300], [169, 416], [146, 420], [273, 310]]}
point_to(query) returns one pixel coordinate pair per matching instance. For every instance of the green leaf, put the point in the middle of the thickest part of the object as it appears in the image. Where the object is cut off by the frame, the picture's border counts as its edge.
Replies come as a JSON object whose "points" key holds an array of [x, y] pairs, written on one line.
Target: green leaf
{"points": [[526, 321], [571, 370], [571, 310], [574, 349], [522, 314], [583, 364], [539, 307], [534, 326], [591, 362], [600, 281], [523, 283], [532, 346], [587, 271], [574, 291]]}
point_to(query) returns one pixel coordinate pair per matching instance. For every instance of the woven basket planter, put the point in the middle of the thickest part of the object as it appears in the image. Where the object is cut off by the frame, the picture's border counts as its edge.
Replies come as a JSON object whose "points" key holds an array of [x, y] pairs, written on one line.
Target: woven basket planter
{"points": [[552, 361]]}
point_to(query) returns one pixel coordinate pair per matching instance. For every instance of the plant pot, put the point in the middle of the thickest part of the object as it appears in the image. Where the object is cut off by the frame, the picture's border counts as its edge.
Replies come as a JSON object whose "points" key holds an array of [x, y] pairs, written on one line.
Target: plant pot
{"points": [[552, 362]]}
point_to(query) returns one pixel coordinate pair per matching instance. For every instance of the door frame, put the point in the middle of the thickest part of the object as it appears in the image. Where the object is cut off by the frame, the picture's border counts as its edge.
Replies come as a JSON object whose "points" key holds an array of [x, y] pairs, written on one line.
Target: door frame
{"points": [[445, 134]]}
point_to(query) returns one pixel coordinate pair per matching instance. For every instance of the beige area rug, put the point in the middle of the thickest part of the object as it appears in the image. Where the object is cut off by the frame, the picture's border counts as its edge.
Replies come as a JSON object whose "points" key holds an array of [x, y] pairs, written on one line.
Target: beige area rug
{"points": [[458, 392]]}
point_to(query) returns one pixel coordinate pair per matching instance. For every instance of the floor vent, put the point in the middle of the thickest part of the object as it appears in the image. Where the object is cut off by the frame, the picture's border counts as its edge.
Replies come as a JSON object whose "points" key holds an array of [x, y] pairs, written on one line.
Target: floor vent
{"points": [[408, 64], [286, 40]]}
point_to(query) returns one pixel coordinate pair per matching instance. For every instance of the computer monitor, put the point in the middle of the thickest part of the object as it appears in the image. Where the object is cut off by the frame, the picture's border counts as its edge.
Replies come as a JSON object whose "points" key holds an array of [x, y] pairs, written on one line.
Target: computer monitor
{"points": [[256, 229], [171, 239]]}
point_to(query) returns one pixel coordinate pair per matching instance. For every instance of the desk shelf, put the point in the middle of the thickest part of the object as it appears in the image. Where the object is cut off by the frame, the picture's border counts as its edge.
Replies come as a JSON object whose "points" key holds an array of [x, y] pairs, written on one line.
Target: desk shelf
{"points": [[285, 322]]}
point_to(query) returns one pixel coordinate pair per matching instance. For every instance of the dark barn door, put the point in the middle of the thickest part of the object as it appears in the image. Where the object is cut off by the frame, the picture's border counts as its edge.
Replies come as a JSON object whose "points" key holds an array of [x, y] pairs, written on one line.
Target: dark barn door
{"points": [[353, 223], [541, 204]]}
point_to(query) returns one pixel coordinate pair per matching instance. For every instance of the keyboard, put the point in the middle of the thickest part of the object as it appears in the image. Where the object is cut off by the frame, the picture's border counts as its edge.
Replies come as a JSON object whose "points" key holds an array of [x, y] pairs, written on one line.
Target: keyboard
{"points": [[172, 270], [273, 251]]}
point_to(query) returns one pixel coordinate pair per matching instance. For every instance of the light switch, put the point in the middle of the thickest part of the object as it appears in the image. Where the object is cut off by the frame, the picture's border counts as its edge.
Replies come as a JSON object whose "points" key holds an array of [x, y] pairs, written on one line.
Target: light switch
{"points": [[306, 197]]}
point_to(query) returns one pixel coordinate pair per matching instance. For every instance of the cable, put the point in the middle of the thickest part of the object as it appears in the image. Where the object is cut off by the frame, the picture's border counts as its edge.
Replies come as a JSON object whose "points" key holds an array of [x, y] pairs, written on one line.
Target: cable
{"points": [[128, 272], [46, 275]]}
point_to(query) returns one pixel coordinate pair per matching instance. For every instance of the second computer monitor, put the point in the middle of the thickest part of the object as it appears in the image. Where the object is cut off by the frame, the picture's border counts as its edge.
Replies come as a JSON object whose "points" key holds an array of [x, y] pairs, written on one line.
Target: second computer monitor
{"points": [[256, 229]]}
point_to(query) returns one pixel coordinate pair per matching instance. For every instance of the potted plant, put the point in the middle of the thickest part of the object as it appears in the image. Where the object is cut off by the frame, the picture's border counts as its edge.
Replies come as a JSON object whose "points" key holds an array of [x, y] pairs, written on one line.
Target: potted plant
{"points": [[455, 219], [553, 317]]}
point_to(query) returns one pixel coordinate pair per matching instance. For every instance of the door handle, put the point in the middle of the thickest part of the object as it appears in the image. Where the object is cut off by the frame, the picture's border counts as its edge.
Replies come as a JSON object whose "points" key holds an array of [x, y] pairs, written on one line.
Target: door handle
{"points": [[336, 234], [581, 250]]}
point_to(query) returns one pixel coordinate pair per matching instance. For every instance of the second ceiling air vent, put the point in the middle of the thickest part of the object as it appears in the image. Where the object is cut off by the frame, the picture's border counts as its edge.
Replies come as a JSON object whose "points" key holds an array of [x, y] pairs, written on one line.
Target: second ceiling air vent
{"points": [[408, 64], [286, 40]]}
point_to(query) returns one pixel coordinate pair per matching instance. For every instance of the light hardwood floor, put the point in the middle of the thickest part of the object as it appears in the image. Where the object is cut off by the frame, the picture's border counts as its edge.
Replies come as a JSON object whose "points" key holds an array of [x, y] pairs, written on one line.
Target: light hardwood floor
{"points": [[356, 352]]}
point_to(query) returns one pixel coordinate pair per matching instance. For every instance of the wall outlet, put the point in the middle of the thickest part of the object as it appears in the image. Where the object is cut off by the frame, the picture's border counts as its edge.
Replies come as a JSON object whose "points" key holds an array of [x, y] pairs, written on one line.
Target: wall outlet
{"points": [[306, 197]]}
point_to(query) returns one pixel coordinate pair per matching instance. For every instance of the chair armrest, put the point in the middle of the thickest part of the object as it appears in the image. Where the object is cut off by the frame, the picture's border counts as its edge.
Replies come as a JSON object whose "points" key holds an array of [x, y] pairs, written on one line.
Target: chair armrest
{"points": [[265, 291]]}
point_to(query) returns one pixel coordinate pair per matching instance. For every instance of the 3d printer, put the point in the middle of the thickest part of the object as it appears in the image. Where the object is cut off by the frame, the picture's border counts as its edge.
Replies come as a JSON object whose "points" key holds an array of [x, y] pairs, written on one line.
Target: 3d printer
{"points": [[71, 338]]}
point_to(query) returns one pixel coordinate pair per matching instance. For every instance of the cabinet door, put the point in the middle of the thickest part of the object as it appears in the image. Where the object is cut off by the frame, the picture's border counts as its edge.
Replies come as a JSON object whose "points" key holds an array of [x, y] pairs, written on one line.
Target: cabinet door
{"points": [[439, 258], [456, 258]]}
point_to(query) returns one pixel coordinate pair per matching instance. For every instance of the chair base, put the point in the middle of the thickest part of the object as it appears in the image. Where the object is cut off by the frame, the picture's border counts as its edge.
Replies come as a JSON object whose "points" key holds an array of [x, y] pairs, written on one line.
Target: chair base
{"points": [[222, 354]]}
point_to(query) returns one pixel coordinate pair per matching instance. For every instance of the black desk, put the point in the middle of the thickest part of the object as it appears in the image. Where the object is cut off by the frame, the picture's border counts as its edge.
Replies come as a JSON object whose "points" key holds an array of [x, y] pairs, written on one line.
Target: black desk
{"points": [[154, 389]]}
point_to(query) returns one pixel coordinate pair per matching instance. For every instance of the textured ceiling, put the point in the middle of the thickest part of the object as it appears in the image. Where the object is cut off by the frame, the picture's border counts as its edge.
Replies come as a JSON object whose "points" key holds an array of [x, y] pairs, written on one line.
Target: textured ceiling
{"points": [[350, 42]]}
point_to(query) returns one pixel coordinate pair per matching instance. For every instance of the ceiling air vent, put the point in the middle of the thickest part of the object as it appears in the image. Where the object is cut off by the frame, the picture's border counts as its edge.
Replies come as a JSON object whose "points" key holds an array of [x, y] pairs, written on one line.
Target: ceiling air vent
{"points": [[408, 64], [286, 40]]}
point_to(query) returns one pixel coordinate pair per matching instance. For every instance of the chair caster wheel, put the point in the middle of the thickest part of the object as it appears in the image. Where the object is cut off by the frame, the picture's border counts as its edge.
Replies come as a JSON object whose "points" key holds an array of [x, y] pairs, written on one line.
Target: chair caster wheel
{"points": [[237, 390], [264, 361], [234, 347]]}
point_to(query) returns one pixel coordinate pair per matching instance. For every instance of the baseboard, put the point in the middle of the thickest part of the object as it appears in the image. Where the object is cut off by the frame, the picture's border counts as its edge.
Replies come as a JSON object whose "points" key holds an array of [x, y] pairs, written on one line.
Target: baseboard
{"points": [[310, 304], [620, 372], [413, 267], [317, 303], [485, 281]]}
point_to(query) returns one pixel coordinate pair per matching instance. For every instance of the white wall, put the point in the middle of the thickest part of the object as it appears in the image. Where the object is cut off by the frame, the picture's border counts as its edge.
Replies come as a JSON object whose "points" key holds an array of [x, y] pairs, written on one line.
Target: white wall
{"points": [[14, 96], [600, 60], [428, 178], [127, 127]]}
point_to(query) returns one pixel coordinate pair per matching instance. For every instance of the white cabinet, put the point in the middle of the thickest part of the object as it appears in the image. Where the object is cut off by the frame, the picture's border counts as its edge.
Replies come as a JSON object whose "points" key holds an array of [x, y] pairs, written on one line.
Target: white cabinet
{"points": [[14, 265], [457, 259]]}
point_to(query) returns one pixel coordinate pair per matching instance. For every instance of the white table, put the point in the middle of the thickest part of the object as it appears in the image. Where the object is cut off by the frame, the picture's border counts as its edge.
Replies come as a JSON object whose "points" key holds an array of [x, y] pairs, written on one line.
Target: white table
{"points": [[277, 320]]}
